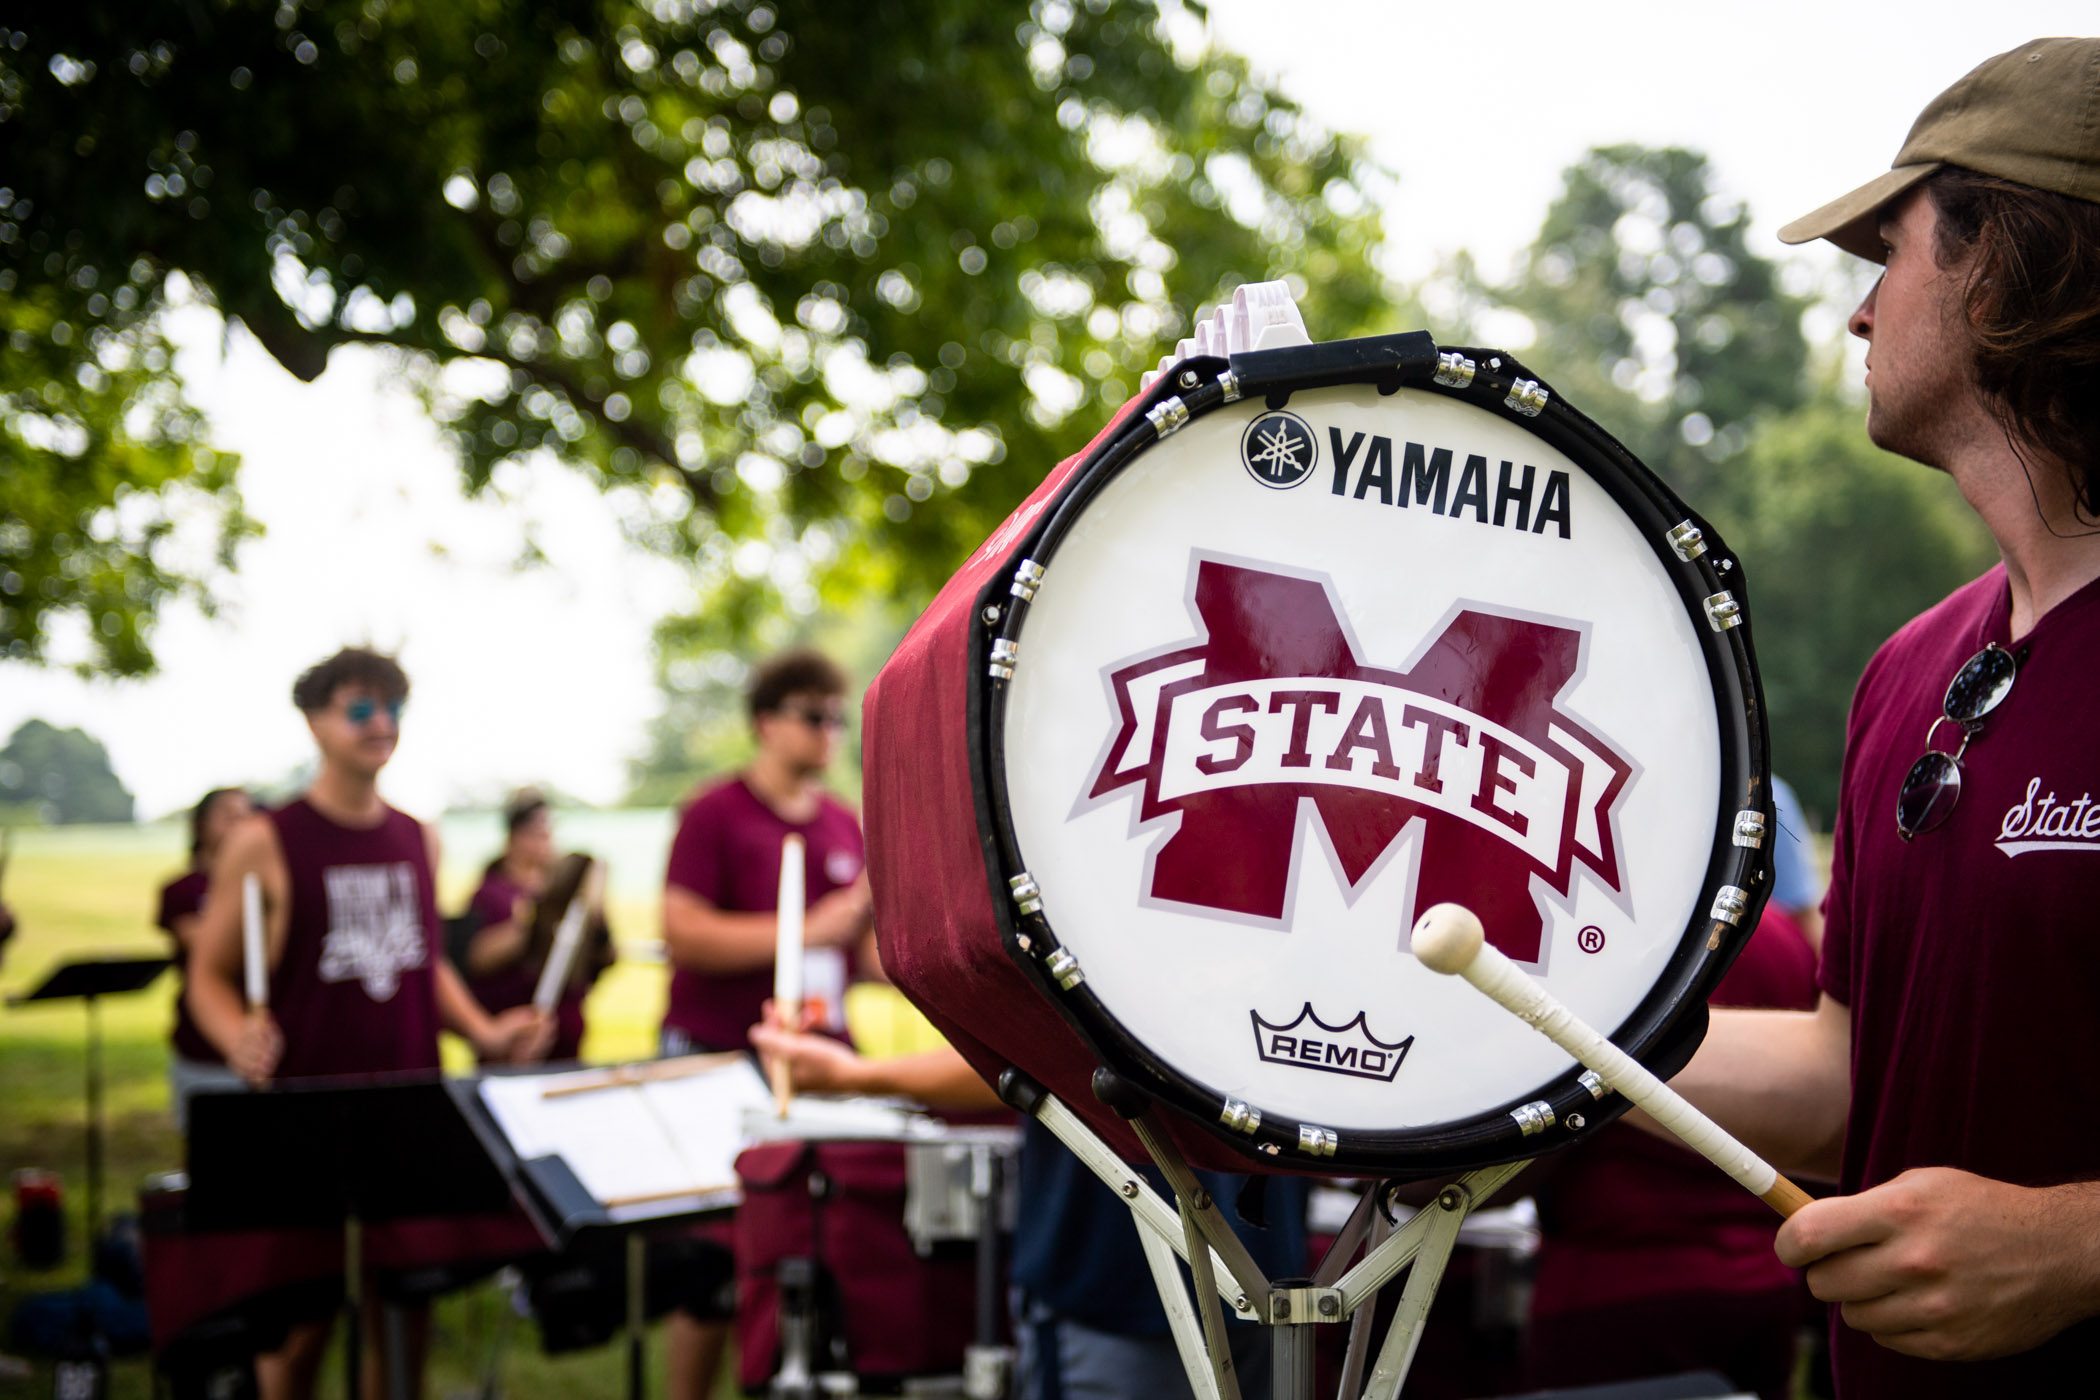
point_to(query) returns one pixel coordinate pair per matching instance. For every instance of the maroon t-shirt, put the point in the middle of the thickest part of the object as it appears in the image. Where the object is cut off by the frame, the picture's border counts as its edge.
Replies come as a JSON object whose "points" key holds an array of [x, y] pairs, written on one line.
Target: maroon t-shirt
{"points": [[1970, 956], [180, 898], [727, 851], [355, 991], [493, 903], [1630, 1217]]}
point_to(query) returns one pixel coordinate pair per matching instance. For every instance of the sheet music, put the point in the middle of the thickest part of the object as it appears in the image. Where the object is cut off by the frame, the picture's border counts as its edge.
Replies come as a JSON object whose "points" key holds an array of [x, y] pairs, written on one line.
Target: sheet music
{"points": [[704, 1114], [630, 1140]]}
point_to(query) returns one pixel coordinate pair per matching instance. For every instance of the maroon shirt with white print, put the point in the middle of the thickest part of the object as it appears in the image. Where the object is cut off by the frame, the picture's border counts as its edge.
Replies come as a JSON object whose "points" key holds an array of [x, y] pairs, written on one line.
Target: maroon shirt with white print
{"points": [[1970, 956], [355, 990]]}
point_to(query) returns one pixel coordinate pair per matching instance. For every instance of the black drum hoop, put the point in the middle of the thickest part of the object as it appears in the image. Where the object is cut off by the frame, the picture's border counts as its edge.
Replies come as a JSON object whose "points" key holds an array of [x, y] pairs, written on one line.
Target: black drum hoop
{"points": [[1670, 1021]]}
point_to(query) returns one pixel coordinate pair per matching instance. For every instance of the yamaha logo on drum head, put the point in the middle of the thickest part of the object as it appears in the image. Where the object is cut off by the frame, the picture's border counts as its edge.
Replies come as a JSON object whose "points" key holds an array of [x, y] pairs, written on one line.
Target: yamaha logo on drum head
{"points": [[1279, 449]]}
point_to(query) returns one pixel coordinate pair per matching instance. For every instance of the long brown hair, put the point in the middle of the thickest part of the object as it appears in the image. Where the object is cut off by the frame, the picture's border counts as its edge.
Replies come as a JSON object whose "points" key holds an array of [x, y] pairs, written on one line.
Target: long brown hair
{"points": [[564, 882], [2033, 311]]}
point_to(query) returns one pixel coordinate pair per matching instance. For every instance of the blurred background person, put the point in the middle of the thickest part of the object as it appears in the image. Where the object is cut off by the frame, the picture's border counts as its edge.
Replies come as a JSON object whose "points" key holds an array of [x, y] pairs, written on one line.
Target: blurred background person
{"points": [[721, 891], [196, 1063], [513, 916], [358, 981]]}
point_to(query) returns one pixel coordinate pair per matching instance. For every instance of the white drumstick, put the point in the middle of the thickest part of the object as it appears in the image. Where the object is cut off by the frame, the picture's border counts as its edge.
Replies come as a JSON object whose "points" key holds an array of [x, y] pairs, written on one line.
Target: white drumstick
{"points": [[255, 966], [1448, 939], [787, 958], [568, 942]]}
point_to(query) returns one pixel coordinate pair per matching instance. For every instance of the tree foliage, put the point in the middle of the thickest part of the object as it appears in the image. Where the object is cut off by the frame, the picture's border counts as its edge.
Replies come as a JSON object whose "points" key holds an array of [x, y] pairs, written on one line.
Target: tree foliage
{"points": [[59, 776], [813, 288], [1654, 316], [1843, 543]]}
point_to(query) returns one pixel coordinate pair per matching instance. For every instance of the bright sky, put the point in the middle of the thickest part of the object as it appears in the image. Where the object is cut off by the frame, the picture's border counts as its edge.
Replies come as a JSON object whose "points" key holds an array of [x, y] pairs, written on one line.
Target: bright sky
{"points": [[545, 674]]}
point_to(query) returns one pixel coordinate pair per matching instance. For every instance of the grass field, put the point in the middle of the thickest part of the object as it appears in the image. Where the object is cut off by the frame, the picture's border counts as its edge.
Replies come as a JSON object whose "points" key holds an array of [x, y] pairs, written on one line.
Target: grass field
{"points": [[82, 891]]}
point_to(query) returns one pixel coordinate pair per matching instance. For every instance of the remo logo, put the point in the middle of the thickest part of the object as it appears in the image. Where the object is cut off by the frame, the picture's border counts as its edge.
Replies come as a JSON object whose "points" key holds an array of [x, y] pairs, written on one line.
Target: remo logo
{"points": [[1274, 706]]}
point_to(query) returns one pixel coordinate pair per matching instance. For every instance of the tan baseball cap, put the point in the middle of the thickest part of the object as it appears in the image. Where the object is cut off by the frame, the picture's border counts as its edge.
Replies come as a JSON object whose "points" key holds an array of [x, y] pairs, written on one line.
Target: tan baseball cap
{"points": [[2031, 116]]}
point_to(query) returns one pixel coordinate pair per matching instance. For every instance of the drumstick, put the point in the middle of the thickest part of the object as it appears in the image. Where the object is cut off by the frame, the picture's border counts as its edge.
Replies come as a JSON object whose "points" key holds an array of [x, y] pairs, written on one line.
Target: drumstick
{"points": [[568, 942], [255, 966], [1448, 939], [787, 961], [649, 1072]]}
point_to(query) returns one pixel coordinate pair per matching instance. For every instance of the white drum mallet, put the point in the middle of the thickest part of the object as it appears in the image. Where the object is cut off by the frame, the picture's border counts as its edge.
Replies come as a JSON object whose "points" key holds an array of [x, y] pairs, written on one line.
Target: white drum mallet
{"points": [[787, 960], [255, 957], [1448, 939], [568, 942]]}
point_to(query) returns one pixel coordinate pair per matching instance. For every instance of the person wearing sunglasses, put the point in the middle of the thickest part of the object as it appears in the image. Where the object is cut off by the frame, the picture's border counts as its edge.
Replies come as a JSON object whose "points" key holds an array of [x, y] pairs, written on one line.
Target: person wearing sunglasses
{"points": [[1944, 1076], [721, 891], [358, 982]]}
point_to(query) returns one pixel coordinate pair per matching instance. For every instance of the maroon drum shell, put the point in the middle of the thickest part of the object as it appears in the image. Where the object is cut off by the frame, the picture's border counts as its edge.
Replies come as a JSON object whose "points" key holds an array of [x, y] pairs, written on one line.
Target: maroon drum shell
{"points": [[927, 859]]}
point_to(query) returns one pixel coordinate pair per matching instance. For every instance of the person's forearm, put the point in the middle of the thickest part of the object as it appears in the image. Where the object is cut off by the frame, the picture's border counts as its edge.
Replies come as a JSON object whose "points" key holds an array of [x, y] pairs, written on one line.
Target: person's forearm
{"points": [[495, 947], [937, 1078], [700, 939], [458, 1011], [1778, 1080], [217, 1007]]}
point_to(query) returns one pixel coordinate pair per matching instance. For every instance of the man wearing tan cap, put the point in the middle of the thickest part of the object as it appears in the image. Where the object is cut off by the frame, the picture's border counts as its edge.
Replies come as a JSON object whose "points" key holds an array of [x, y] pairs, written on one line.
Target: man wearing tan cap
{"points": [[1947, 1075]]}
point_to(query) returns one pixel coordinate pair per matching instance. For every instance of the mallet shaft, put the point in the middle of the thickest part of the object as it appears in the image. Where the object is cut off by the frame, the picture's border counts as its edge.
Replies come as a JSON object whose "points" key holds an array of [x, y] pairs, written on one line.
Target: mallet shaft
{"points": [[1495, 975]]}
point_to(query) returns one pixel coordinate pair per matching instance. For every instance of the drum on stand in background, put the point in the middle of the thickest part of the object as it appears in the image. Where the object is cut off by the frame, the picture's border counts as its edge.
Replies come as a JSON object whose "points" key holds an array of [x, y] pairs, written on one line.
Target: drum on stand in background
{"points": [[1305, 642], [869, 1253]]}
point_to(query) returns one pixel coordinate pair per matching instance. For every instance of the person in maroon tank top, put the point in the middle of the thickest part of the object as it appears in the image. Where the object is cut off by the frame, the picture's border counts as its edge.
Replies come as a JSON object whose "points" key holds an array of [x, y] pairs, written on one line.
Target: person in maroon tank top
{"points": [[196, 1063], [358, 983], [1944, 1073]]}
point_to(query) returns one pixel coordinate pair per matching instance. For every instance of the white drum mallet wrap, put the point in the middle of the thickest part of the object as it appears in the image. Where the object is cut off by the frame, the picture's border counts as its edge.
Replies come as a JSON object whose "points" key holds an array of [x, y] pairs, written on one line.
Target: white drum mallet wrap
{"points": [[255, 958], [1448, 939], [787, 959]]}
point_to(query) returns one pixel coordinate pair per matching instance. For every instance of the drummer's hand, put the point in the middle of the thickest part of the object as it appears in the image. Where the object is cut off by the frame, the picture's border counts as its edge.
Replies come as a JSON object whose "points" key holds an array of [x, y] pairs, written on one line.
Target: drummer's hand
{"points": [[261, 1046], [1948, 1265], [807, 1015], [840, 917], [819, 1064], [519, 1035]]}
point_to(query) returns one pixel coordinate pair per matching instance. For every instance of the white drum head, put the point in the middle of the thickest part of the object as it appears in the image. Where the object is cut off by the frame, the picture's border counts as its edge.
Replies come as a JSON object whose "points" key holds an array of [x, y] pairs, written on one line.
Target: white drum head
{"points": [[1294, 675]]}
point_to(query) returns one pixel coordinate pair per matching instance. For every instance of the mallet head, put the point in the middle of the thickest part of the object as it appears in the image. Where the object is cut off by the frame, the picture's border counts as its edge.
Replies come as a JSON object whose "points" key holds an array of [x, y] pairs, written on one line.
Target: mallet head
{"points": [[1447, 938]]}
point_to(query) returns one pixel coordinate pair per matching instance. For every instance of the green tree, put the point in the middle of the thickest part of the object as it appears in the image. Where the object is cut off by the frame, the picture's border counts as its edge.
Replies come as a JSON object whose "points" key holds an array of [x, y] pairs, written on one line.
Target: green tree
{"points": [[60, 776], [1654, 316], [704, 731], [1842, 543], [814, 288]]}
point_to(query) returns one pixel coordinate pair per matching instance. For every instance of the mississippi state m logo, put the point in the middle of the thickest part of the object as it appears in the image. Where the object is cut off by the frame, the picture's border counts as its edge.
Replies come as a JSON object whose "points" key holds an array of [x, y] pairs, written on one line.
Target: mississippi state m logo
{"points": [[1275, 706]]}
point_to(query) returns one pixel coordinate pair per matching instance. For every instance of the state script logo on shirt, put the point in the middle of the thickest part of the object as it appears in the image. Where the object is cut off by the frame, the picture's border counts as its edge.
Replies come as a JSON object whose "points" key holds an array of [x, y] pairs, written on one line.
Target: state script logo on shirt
{"points": [[1275, 706]]}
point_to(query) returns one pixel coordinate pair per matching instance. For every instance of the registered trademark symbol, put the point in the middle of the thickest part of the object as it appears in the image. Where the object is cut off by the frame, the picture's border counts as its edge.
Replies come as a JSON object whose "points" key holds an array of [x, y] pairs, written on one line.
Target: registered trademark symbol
{"points": [[1591, 939]]}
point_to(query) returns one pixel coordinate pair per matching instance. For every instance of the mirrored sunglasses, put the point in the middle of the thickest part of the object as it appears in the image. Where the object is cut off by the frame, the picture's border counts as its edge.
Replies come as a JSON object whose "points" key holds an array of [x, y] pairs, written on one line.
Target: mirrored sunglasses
{"points": [[363, 710], [1933, 785]]}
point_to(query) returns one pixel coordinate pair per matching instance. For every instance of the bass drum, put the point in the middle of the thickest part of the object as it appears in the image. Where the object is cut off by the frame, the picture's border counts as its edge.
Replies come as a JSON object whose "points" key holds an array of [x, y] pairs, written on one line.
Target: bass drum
{"points": [[1308, 641]]}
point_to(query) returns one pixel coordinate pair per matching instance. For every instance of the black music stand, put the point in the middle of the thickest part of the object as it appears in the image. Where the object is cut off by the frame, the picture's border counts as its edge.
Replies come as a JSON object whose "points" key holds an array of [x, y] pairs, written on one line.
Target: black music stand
{"points": [[337, 1154], [563, 1210], [90, 980]]}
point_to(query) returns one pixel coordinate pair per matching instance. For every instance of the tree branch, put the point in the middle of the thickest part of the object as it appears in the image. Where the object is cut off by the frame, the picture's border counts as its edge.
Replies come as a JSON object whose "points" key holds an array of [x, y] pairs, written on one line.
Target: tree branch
{"points": [[641, 436]]}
